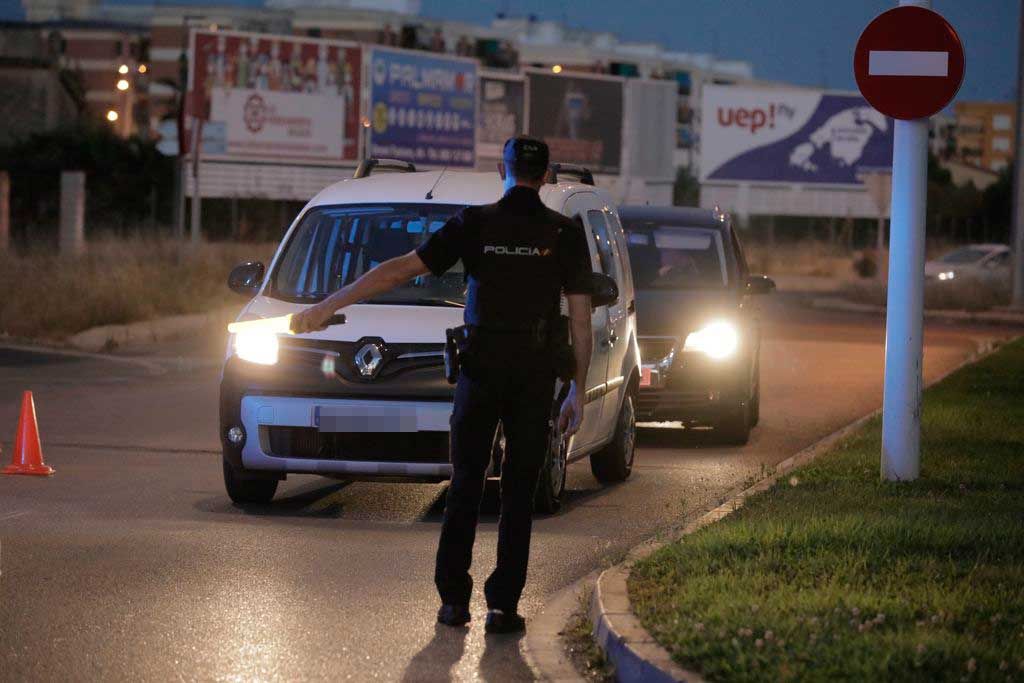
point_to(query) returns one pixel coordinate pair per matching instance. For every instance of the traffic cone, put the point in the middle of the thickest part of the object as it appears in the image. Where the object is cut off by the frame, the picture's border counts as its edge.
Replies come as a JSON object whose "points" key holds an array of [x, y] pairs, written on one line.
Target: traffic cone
{"points": [[28, 454]]}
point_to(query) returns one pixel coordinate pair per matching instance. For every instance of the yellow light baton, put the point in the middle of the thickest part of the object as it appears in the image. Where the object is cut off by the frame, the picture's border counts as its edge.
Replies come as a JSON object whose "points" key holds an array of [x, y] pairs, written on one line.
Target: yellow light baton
{"points": [[279, 325]]}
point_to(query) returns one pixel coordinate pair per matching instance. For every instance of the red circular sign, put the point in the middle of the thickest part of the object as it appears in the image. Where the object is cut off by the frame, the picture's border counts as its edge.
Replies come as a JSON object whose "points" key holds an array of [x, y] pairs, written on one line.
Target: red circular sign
{"points": [[909, 62]]}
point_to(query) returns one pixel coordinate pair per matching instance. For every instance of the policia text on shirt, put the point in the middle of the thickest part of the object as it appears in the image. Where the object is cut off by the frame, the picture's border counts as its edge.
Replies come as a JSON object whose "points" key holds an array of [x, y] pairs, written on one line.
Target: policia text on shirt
{"points": [[519, 256]]}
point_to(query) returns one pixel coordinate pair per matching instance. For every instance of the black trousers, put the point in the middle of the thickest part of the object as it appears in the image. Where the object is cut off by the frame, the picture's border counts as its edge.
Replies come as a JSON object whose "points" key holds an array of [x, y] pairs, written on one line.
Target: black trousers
{"points": [[519, 393]]}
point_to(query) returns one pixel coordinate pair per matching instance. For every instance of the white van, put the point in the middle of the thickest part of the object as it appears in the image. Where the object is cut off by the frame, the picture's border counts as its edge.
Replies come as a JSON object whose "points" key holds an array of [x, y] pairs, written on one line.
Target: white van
{"points": [[368, 399]]}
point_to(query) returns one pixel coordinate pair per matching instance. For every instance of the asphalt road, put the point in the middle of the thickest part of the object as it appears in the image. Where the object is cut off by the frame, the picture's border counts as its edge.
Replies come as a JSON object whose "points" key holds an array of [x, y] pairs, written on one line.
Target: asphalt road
{"points": [[131, 563]]}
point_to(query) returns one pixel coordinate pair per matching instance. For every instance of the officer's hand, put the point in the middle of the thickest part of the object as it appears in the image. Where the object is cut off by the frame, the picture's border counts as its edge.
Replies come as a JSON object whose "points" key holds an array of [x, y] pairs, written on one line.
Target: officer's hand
{"points": [[311, 319], [570, 417]]}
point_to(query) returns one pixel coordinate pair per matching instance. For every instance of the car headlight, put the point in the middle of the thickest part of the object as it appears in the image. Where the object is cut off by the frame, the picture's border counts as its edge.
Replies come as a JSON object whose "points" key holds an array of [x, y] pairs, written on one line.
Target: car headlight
{"points": [[948, 275], [257, 347], [719, 340]]}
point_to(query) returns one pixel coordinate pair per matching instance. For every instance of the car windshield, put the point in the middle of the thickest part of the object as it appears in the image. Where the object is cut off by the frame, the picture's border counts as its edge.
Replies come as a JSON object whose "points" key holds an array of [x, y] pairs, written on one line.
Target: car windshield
{"points": [[334, 245], [670, 257], [965, 255]]}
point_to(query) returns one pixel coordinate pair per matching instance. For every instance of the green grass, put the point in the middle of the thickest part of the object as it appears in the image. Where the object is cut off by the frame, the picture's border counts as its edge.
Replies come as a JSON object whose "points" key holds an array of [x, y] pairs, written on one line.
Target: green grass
{"points": [[832, 574], [46, 296]]}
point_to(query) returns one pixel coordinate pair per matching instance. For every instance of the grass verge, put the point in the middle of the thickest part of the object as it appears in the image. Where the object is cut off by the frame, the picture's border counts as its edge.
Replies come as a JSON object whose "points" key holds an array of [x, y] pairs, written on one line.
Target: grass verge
{"points": [[832, 574], [47, 296]]}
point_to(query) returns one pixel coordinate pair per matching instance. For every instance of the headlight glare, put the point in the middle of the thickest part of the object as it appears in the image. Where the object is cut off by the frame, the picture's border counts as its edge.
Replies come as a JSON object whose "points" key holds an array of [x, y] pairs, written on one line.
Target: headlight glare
{"points": [[948, 275], [257, 347], [718, 339]]}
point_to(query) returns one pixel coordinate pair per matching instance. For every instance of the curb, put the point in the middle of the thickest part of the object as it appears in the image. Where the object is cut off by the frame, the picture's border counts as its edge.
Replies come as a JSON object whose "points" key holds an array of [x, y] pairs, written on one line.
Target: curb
{"points": [[982, 317], [637, 657], [104, 337]]}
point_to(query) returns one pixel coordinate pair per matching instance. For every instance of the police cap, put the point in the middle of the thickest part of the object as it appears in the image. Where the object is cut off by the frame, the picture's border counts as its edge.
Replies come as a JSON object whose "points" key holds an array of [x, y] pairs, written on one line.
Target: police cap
{"points": [[525, 157]]}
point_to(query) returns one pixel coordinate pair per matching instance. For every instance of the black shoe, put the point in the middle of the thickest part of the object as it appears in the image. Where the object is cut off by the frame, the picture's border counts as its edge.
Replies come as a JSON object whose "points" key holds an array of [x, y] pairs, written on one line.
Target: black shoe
{"points": [[453, 615], [499, 621]]}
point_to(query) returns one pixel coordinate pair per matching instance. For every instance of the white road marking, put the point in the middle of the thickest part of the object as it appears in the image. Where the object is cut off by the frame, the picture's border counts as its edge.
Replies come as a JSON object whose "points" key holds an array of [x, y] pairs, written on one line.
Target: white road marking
{"points": [[908, 63]]}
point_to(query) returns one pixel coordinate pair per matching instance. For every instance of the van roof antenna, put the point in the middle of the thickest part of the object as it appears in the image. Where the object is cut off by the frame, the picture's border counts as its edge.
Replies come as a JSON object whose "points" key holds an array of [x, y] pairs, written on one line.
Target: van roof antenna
{"points": [[430, 192]]}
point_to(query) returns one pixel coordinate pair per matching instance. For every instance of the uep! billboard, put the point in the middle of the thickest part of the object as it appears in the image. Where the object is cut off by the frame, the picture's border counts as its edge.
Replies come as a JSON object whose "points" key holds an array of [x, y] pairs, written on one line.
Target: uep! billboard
{"points": [[278, 97], [580, 117], [790, 136], [423, 107], [502, 110]]}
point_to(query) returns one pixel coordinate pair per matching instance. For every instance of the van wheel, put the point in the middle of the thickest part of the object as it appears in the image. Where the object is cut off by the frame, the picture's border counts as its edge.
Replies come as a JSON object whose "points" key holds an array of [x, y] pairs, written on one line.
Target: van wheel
{"points": [[243, 488], [732, 427], [551, 483], [614, 462]]}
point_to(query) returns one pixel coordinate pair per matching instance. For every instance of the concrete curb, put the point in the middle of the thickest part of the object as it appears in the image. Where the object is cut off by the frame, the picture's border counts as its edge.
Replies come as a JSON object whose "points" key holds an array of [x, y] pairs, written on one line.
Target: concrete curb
{"points": [[637, 657], [150, 331], [997, 317]]}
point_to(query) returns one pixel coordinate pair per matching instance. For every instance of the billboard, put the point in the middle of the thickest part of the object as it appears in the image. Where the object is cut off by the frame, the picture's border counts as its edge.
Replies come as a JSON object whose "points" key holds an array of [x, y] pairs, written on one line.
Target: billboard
{"points": [[502, 110], [277, 97], [790, 136], [423, 107], [580, 117]]}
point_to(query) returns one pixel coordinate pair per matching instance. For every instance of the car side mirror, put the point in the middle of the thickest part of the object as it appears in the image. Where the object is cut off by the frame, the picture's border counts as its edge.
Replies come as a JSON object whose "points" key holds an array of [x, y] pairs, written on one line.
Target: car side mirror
{"points": [[604, 291], [760, 284], [246, 278]]}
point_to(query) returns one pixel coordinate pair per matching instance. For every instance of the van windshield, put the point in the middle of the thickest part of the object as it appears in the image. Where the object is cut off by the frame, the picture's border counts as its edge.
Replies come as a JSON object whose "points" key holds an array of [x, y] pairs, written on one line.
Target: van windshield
{"points": [[333, 245], [671, 257]]}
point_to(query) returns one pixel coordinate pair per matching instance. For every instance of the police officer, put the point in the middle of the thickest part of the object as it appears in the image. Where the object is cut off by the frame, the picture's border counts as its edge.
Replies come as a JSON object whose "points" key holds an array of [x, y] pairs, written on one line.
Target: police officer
{"points": [[519, 256]]}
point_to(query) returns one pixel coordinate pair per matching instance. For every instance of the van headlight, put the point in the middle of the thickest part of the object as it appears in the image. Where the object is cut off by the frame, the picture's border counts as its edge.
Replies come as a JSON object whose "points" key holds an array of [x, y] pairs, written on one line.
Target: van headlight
{"points": [[257, 347], [718, 339]]}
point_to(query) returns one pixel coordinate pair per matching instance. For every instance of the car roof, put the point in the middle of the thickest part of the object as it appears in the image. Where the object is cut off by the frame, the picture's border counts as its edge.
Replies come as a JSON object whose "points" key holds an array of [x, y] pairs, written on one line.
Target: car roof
{"points": [[681, 216], [445, 187]]}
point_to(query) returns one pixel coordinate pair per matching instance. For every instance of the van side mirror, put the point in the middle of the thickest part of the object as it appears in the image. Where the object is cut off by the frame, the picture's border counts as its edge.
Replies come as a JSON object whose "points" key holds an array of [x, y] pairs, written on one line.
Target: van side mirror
{"points": [[246, 278], [760, 284], [604, 291]]}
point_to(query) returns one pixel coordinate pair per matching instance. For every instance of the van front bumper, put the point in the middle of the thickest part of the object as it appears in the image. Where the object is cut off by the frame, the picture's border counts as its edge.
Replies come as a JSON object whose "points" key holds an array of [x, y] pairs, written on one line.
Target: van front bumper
{"points": [[282, 435]]}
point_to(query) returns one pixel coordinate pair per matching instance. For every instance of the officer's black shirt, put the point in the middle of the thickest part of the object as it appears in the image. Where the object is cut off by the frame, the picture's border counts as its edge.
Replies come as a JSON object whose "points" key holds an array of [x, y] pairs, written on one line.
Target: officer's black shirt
{"points": [[518, 255]]}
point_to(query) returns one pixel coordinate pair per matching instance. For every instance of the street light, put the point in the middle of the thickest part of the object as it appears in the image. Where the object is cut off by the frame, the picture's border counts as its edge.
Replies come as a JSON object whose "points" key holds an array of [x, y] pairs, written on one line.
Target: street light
{"points": [[557, 68], [111, 115], [142, 68], [123, 69], [122, 85]]}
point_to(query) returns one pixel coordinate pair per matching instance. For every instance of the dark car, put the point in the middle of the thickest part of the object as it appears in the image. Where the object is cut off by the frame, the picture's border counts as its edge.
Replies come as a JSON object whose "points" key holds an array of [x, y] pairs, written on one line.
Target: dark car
{"points": [[699, 333]]}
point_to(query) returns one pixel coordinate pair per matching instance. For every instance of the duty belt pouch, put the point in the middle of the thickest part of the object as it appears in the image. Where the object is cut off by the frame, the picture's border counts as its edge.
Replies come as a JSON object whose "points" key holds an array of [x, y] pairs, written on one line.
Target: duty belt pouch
{"points": [[451, 355]]}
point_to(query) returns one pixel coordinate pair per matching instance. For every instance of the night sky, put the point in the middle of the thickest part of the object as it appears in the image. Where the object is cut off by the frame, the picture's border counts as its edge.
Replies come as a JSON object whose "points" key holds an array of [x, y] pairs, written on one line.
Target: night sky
{"points": [[807, 42]]}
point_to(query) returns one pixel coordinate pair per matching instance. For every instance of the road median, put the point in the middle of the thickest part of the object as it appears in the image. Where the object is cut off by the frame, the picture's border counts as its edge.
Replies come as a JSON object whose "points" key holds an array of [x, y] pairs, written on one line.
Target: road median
{"points": [[826, 572]]}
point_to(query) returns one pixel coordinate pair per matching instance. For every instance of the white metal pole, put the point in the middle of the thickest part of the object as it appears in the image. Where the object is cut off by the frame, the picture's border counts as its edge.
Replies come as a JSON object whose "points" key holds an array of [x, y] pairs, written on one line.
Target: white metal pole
{"points": [[1017, 300], [901, 401]]}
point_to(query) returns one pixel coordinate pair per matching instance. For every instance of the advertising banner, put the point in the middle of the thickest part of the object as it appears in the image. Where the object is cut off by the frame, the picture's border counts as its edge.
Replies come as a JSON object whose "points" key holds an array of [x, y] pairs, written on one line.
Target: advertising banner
{"points": [[423, 108], [502, 110], [277, 97], [580, 117], [791, 136]]}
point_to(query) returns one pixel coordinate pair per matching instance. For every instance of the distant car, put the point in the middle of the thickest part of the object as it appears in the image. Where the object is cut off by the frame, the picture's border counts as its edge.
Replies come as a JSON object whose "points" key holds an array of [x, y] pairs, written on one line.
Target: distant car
{"points": [[700, 337], [985, 263]]}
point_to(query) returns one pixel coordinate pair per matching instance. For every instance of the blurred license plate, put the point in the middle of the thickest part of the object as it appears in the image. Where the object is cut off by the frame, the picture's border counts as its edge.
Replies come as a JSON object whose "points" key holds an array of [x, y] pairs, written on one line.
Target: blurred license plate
{"points": [[645, 377], [364, 419]]}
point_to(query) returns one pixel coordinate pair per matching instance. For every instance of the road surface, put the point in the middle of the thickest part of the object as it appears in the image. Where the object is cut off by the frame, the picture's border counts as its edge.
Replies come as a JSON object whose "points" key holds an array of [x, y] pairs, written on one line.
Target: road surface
{"points": [[131, 563]]}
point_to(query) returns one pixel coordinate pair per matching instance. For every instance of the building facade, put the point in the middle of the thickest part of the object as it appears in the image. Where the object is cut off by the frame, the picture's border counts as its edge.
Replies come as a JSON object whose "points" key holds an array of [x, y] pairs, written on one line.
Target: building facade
{"points": [[985, 134]]}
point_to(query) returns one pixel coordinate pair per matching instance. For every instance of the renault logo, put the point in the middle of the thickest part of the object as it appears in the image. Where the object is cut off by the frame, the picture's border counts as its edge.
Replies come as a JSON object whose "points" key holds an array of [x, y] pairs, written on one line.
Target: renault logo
{"points": [[368, 359]]}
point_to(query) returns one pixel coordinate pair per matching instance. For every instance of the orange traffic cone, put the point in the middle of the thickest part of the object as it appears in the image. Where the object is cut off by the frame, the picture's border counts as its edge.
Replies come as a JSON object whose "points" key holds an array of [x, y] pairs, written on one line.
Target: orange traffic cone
{"points": [[28, 454]]}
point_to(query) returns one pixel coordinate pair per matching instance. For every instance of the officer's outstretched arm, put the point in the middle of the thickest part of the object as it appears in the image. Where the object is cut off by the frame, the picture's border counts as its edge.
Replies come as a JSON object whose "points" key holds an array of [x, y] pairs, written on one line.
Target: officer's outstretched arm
{"points": [[383, 278], [571, 416]]}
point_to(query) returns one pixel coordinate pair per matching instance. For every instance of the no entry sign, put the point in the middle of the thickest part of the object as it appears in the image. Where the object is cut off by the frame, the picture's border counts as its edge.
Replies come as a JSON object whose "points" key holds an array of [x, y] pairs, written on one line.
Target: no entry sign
{"points": [[909, 63]]}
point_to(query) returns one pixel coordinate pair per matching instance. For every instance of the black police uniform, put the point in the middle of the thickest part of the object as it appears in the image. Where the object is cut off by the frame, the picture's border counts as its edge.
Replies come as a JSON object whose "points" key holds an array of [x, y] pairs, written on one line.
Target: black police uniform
{"points": [[518, 256]]}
